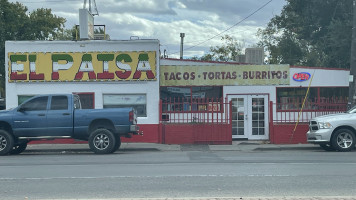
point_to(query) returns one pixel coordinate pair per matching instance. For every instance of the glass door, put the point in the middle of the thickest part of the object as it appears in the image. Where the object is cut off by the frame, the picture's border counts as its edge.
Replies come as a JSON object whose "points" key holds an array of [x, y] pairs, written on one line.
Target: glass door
{"points": [[249, 117], [239, 116], [258, 112]]}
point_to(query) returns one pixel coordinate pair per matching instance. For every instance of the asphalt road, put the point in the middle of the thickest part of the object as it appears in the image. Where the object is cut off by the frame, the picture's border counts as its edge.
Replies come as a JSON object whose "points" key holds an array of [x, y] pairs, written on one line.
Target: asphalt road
{"points": [[81, 174]]}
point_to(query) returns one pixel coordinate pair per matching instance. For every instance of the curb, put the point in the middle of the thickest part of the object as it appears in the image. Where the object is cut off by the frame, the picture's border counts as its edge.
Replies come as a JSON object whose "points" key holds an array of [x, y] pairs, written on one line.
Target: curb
{"points": [[285, 148], [131, 147]]}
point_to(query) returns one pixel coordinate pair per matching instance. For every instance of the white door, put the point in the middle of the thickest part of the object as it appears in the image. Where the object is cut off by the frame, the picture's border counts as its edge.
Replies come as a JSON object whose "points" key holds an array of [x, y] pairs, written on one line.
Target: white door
{"points": [[249, 117], [239, 116]]}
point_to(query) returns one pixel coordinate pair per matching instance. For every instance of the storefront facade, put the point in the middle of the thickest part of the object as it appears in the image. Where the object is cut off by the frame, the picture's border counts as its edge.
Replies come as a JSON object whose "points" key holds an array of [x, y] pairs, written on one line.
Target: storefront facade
{"points": [[178, 101], [260, 95]]}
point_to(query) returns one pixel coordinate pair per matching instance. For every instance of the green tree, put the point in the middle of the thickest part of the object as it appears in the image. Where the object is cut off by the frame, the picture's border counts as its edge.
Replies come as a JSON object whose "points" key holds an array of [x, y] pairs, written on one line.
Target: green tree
{"points": [[101, 30], [226, 52], [310, 33], [17, 24], [44, 25], [68, 34]]}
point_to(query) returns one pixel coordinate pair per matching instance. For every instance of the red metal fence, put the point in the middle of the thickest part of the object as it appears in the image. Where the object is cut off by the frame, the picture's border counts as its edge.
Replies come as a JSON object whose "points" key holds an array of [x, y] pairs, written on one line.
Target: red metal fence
{"points": [[208, 121], [199, 110], [199, 121], [292, 111], [284, 128]]}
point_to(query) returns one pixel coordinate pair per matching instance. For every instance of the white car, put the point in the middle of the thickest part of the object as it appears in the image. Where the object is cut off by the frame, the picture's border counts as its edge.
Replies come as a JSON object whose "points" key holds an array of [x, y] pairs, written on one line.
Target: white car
{"points": [[334, 132]]}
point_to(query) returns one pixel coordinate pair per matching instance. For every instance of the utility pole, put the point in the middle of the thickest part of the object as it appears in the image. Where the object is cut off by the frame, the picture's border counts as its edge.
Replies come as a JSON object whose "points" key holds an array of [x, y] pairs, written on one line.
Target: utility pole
{"points": [[181, 45], [352, 87]]}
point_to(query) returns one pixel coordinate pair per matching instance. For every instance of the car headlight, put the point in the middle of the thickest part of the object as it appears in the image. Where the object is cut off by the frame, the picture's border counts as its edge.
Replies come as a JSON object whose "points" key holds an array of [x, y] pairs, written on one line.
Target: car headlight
{"points": [[324, 125]]}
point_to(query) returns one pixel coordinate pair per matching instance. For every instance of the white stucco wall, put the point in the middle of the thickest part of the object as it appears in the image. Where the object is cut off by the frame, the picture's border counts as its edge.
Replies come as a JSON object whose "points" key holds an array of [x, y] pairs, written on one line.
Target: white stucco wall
{"points": [[150, 88], [323, 77], [252, 90]]}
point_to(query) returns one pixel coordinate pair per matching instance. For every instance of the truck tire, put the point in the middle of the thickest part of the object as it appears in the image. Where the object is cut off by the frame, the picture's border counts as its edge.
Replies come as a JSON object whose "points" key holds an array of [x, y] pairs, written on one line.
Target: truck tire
{"points": [[117, 143], [17, 149], [102, 141], [343, 140], [6, 142]]}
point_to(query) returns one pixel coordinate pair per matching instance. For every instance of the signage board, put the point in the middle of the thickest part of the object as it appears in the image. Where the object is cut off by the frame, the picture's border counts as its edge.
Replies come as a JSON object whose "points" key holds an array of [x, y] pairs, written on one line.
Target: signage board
{"points": [[301, 76], [224, 75], [86, 24], [80, 66]]}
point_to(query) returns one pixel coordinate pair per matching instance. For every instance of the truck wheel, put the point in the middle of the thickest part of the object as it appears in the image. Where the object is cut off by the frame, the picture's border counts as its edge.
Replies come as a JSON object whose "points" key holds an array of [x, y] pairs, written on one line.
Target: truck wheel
{"points": [[327, 147], [17, 149], [117, 143], [102, 141], [6, 142], [343, 140]]}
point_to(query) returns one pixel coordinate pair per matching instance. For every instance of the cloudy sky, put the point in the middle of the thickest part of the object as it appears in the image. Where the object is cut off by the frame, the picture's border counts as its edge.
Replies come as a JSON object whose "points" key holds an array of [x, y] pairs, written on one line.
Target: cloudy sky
{"points": [[202, 21]]}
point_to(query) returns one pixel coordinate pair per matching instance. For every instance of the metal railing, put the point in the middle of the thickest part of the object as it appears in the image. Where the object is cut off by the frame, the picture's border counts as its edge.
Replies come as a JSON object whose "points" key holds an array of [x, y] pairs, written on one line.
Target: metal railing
{"points": [[287, 114], [312, 104], [196, 110]]}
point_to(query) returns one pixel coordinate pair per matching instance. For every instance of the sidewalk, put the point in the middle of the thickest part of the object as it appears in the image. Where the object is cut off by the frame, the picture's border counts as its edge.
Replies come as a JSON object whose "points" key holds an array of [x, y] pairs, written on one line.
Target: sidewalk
{"points": [[244, 146]]}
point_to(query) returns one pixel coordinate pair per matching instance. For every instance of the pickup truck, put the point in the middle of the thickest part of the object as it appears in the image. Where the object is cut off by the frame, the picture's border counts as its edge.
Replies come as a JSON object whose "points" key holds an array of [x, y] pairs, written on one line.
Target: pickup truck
{"points": [[60, 116], [334, 132]]}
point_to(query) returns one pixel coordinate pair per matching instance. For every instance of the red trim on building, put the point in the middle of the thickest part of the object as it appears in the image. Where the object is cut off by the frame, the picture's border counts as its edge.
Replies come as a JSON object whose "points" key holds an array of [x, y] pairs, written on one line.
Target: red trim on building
{"points": [[150, 134], [197, 134], [285, 134], [323, 68]]}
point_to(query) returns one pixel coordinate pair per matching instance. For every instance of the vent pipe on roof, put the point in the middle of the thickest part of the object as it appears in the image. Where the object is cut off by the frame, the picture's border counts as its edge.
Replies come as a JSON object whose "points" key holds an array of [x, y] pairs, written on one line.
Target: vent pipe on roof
{"points": [[181, 44]]}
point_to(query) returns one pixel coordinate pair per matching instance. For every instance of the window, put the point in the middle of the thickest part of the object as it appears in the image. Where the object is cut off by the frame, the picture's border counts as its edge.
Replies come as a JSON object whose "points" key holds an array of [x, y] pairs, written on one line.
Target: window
{"points": [[293, 98], [23, 98], [337, 95], [77, 103], [191, 98], [59, 103], [86, 100], [137, 101], [39, 103]]}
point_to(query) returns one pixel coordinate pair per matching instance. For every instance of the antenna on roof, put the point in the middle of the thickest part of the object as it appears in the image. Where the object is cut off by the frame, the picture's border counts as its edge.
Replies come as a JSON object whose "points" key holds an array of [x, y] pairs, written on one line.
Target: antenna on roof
{"points": [[91, 2]]}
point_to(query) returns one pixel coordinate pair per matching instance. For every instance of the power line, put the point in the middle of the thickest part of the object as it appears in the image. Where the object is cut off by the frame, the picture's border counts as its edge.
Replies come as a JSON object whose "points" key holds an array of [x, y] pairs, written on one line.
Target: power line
{"points": [[47, 1], [191, 42], [260, 8]]}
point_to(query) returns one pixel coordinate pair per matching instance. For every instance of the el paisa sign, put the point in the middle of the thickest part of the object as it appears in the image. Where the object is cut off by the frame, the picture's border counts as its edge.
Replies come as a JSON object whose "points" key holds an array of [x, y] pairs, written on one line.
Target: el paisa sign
{"points": [[79, 66], [224, 75]]}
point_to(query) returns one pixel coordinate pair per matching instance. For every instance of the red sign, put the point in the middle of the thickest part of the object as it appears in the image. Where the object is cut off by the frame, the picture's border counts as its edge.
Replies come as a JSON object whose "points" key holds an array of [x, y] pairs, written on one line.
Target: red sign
{"points": [[301, 76]]}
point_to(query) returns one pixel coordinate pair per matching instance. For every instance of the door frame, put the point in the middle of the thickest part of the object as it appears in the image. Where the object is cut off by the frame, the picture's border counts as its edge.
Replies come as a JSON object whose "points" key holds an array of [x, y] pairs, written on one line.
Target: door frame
{"points": [[248, 122]]}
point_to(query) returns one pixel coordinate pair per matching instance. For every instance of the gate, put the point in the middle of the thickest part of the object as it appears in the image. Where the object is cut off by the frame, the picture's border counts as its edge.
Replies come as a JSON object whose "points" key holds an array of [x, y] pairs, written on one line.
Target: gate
{"points": [[199, 121]]}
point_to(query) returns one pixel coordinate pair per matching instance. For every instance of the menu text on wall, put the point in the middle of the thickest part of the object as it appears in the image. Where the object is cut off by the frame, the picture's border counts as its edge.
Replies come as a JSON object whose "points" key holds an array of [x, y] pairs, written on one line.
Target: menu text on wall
{"points": [[224, 75]]}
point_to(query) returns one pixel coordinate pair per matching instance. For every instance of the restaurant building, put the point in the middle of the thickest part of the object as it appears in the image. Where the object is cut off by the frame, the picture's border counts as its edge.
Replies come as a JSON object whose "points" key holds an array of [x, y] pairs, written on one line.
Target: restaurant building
{"points": [[178, 101]]}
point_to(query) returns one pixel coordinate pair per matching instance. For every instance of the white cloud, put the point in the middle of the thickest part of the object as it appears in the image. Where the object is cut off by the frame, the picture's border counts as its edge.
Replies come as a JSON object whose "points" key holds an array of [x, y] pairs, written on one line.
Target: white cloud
{"points": [[181, 5], [200, 20]]}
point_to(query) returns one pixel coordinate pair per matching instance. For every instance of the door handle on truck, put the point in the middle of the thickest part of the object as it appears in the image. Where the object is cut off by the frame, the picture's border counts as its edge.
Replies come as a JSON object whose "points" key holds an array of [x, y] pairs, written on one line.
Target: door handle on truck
{"points": [[66, 113]]}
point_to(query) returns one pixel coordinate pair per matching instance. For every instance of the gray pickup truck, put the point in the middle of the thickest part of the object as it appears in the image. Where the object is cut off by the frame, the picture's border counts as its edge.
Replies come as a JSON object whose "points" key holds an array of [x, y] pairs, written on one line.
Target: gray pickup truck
{"points": [[334, 132], [61, 116]]}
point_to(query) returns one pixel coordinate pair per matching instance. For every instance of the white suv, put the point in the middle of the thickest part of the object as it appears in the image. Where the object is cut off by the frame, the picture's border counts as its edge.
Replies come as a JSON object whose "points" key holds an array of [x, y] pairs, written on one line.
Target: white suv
{"points": [[334, 132]]}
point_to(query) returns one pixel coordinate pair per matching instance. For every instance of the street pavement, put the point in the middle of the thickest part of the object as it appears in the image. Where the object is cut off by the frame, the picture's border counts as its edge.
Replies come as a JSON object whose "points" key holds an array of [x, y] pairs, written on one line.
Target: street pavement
{"points": [[233, 198], [243, 146]]}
